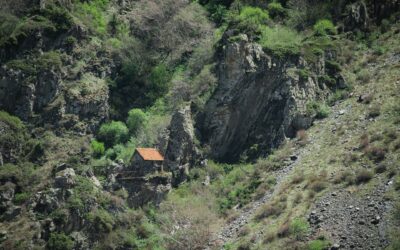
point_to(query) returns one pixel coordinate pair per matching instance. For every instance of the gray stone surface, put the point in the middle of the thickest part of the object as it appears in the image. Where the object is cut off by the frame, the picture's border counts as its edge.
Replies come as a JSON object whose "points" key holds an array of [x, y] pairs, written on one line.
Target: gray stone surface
{"points": [[65, 179], [181, 153], [260, 100]]}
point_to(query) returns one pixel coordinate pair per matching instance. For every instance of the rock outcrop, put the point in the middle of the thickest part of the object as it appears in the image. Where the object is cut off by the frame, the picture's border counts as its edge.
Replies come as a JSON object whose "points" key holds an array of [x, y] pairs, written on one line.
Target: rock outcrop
{"points": [[24, 96], [145, 189], [7, 192], [357, 17], [47, 99], [65, 179], [260, 100], [181, 153]]}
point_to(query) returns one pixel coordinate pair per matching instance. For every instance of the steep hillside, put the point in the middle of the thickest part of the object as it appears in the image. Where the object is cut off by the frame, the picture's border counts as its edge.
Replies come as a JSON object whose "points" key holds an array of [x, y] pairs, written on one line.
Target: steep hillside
{"points": [[277, 121]]}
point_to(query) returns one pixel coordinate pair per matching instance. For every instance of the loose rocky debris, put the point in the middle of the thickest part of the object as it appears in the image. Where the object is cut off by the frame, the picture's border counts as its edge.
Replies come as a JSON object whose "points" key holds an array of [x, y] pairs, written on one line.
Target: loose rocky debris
{"points": [[352, 221]]}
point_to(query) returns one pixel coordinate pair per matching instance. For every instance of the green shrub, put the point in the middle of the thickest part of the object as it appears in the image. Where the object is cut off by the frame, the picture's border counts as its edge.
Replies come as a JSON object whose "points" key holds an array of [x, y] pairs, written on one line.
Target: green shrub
{"points": [[318, 245], [363, 175], [281, 40], [114, 152], [396, 183], [102, 221], [20, 198], [158, 82], [70, 41], [324, 27], [374, 110], [299, 227], [385, 25], [252, 19], [241, 195], [396, 212], [23, 174], [380, 168], [274, 208], [59, 17], [52, 19], [364, 76], [98, 148], [8, 24], [26, 27], [275, 9], [14, 122], [60, 216], [60, 241], [32, 66], [347, 177], [304, 74], [113, 133], [214, 170], [318, 110], [376, 154], [83, 193], [136, 119], [338, 95], [93, 13], [218, 12], [318, 185], [332, 65], [394, 240]]}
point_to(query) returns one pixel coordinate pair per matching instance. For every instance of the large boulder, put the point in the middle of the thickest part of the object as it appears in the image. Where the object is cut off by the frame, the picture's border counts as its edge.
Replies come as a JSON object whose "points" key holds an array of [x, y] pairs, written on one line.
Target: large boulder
{"points": [[7, 192], [357, 17], [181, 151], [65, 179], [12, 140], [259, 101], [47, 201], [151, 189]]}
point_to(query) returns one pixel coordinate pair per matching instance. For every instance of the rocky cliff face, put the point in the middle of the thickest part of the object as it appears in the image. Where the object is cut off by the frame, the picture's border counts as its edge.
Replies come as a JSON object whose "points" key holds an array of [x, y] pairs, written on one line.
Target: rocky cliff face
{"points": [[47, 99], [26, 97], [181, 152], [260, 100]]}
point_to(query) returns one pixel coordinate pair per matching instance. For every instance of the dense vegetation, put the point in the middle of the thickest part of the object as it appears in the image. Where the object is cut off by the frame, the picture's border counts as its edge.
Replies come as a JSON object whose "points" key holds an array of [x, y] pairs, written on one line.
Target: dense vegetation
{"points": [[159, 56]]}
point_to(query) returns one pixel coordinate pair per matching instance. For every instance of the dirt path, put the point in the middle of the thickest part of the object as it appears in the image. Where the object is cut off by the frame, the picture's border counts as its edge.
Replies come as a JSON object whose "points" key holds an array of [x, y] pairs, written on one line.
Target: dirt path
{"points": [[230, 231]]}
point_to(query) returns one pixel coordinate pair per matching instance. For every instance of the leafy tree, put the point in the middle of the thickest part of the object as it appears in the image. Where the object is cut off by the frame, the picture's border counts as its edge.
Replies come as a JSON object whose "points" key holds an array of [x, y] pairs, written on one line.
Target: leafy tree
{"points": [[136, 119], [98, 148], [276, 9], [60, 241], [113, 133], [281, 40], [252, 19], [324, 27], [299, 228], [158, 82]]}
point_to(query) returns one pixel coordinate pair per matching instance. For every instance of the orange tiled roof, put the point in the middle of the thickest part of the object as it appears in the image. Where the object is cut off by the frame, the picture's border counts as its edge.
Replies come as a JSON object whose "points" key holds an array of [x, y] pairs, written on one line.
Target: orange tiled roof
{"points": [[150, 154]]}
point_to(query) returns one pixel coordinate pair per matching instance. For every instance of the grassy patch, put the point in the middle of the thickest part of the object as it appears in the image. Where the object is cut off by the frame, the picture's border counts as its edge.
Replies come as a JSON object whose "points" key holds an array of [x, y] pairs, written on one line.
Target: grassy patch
{"points": [[52, 19], [318, 245], [252, 19], [33, 66], [281, 40], [324, 27], [60, 241], [318, 110], [274, 208], [93, 14], [299, 228]]}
